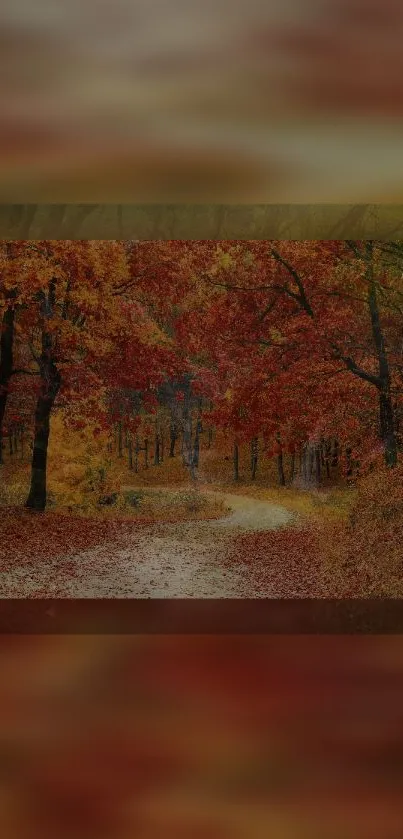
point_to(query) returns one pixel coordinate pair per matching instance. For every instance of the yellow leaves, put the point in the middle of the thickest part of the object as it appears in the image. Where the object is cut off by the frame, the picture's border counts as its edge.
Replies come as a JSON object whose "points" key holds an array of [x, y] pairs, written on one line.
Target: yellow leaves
{"points": [[226, 261], [229, 395], [276, 336], [248, 259]]}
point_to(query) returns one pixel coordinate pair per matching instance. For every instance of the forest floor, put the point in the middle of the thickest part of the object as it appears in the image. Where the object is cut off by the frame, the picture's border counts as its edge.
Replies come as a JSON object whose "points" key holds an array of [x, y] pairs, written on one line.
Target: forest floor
{"points": [[257, 549]]}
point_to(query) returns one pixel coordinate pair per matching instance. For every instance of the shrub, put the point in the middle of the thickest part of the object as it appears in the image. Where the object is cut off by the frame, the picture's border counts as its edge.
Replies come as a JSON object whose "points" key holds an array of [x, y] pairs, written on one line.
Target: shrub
{"points": [[372, 550], [133, 498]]}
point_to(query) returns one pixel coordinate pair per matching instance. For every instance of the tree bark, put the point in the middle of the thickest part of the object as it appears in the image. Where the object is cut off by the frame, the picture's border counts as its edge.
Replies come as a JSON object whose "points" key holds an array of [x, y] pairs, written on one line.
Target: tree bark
{"points": [[280, 463], [188, 453], [49, 388], [349, 469], [387, 426], [120, 439], [173, 436], [196, 445], [37, 494], [130, 452], [335, 457], [146, 454], [157, 450], [292, 468], [327, 458], [386, 413], [6, 365], [236, 462], [317, 465], [280, 469], [254, 457]]}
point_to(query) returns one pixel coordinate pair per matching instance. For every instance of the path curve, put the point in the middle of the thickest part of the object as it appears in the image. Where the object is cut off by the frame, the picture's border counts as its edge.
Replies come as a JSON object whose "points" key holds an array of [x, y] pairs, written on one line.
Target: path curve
{"points": [[185, 559]]}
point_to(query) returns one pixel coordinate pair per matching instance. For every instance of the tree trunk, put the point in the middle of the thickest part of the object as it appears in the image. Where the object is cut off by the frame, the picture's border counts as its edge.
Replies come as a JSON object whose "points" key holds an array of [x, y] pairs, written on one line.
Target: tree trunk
{"points": [[146, 454], [387, 427], [254, 457], [318, 464], [292, 468], [37, 494], [322, 453], [335, 457], [311, 462], [130, 452], [6, 365], [173, 436], [210, 438], [280, 469], [305, 465], [49, 388], [236, 462], [157, 450], [386, 415], [196, 445], [120, 440], [327, 458], [280, 462], [188, 454], [349, 469]]}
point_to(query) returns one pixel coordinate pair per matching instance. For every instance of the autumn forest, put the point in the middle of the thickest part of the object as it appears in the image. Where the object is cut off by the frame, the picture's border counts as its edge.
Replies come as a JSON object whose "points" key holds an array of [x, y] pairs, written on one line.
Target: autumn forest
{"points": [[201, 418]]}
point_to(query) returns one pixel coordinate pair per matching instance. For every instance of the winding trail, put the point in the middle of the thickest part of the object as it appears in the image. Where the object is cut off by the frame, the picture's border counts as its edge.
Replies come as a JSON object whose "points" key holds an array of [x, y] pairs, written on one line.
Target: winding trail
{"points": [[171, 560]]}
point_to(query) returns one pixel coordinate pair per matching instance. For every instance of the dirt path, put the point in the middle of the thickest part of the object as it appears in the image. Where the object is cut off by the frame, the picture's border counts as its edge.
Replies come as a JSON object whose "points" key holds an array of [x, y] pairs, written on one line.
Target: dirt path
{"points": [[172, 560]]}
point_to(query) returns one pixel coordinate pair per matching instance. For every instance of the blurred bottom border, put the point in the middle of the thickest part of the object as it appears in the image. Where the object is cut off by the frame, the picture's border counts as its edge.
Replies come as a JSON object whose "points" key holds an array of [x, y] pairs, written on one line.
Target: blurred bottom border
{"points": [[207, 616]]}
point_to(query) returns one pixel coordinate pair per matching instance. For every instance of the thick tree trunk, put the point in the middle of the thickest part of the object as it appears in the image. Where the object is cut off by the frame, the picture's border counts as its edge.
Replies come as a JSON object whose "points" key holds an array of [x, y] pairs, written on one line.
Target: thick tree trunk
{"points": [[6, 365], [37, 494], [387, 427], [386, 414], [50, 386], [236, 462]]}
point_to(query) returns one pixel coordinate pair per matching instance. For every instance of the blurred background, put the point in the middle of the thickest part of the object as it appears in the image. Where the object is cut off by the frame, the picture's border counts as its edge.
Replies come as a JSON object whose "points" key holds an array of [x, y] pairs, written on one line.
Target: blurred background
{"points": [[181, 100], [178, 100], [210, 737]]}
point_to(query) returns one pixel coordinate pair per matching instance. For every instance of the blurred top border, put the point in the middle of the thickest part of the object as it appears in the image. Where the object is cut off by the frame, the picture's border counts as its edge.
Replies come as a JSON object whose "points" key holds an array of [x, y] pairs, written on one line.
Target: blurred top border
{"points": [[201, 221]]}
